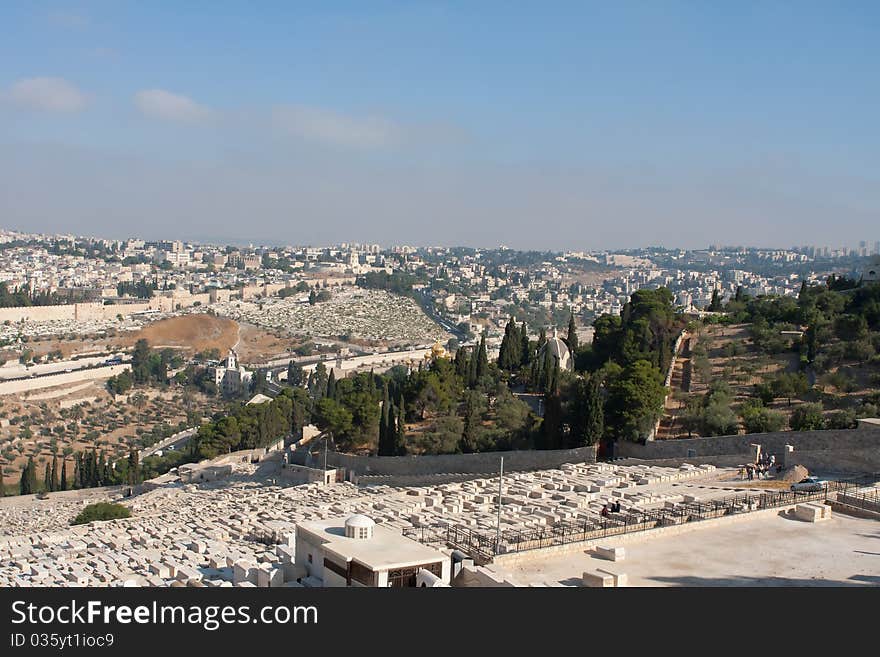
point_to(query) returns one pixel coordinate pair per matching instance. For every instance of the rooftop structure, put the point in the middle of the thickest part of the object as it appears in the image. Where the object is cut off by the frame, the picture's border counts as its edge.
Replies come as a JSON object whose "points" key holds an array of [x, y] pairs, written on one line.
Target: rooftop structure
{"points": [[355, 551]]}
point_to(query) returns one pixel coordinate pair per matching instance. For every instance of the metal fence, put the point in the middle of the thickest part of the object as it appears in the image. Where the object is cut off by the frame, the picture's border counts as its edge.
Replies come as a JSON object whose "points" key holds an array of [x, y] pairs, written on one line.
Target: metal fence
{"points": [[483, 546]]}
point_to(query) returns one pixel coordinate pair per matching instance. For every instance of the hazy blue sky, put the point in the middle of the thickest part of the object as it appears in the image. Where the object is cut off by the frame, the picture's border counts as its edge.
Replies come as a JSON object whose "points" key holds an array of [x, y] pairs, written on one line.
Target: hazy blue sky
{"points": [[535, 124]]}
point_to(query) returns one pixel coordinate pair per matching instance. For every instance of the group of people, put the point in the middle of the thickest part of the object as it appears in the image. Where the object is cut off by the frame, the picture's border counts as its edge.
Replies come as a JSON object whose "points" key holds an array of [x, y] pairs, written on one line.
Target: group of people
{"points": [[762, 468], [611, 507]]}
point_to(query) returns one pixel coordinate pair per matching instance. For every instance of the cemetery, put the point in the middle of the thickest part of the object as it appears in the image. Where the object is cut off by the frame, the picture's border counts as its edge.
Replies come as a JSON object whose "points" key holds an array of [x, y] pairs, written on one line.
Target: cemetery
{"points": [[241, 530]]}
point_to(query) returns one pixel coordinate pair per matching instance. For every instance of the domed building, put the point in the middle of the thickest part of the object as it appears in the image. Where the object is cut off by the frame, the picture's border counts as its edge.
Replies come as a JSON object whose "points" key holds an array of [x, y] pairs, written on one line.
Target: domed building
{"points": [[436, 351], [357, 551], [559, 351]]}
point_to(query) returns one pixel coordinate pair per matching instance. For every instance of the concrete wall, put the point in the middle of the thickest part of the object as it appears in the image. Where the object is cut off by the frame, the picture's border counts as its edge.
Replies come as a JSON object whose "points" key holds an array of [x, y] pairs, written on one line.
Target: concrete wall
{"points": [[483, 463], [63, 378]]}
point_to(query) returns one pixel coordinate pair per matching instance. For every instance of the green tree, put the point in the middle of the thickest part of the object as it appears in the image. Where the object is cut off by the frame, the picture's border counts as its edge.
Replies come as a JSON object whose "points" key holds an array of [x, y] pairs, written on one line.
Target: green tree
{"points": [[470, 435], [400, 433], [572, 339], [807, 417], [635, 401], [757, 419], [101, 511], [134, 467], [54, 476], [294, 374], [28, 483], [331, 385]]}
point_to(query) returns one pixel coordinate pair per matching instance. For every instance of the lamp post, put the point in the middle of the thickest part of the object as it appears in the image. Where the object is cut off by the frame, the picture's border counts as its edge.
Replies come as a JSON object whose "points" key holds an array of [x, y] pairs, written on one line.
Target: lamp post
{"points": [[498, 528], [326, 438]]}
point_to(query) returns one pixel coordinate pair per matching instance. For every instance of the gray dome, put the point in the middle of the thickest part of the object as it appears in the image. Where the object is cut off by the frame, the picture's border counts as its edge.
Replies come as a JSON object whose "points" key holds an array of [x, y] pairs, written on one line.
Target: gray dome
{"points": [[559, 350]]}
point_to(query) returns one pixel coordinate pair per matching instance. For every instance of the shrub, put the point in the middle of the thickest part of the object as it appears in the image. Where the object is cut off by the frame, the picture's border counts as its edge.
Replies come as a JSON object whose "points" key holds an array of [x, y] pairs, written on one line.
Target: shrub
{"points": [[807, 417], [842, 420], [101, 511]]}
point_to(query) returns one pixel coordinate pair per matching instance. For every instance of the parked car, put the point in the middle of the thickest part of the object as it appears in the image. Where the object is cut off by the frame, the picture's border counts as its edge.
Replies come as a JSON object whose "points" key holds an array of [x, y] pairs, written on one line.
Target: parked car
{"points": [[42, 496], [809, 484]]}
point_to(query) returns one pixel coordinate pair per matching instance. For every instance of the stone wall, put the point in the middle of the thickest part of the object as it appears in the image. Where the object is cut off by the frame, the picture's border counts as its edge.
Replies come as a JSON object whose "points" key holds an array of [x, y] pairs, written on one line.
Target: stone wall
{"points": [[39, 313], [483, 463], [845, 450], [80, 312], [62, 378]]}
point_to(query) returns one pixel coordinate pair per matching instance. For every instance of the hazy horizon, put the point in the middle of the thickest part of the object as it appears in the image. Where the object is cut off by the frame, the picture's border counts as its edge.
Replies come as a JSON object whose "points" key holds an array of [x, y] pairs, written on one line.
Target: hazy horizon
{"points": [[573, 128]]}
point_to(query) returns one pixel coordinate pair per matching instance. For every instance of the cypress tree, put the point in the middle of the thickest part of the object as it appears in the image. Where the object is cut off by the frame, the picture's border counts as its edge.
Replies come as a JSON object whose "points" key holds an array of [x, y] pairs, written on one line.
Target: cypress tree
{"points": [[550, 427], [572, 335], [77, 470], [134, 467], [400, 433], [468, 441], [54, 480], [482, 359], [331, 385], [525, 355], [546, 374], [64, 474], [2, 485], [383, 424], [595, 411], [47, 478], [472, 370], [509, 356], [28, 483], [461, 362]]}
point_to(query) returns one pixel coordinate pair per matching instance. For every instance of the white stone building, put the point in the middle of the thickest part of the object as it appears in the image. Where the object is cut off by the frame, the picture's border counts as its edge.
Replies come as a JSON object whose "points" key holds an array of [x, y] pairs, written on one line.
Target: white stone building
{"points": [[355, 551]]}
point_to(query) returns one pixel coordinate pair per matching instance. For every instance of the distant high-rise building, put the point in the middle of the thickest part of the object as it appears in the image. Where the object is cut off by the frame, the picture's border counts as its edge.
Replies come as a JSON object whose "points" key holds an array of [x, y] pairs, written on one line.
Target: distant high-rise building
{"points": [[877, 247]]}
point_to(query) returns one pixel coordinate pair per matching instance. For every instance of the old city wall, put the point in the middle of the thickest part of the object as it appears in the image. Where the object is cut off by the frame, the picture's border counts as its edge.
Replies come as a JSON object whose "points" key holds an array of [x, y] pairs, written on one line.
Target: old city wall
{"points": [[482, 463], [88, 311], [40, 313]]}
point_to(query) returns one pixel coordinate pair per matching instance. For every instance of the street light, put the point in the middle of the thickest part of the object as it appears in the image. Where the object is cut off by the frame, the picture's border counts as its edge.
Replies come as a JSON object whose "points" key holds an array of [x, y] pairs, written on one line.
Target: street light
{"points": [[498, 528]]}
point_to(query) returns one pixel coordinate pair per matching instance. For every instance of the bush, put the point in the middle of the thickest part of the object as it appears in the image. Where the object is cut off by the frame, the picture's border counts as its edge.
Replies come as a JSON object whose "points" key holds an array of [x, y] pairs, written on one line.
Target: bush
{"points": [[842, 420], [101, 511], [761, 420], [807, 417]]}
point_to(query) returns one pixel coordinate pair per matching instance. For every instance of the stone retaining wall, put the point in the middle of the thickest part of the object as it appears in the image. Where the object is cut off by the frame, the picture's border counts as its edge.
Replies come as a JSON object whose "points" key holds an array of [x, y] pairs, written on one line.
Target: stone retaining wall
{"points": [[62, 378], [843, 440], [460, 463]]}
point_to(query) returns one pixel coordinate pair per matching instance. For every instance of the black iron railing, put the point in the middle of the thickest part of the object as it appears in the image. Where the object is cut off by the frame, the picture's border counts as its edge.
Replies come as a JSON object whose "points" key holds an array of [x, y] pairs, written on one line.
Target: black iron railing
{"points": [[483, 546]]}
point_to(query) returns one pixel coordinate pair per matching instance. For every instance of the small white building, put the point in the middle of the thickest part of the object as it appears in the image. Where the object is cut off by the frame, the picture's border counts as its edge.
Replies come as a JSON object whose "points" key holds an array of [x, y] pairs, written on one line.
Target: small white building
{"points": [[231, 377], [355, 551]]}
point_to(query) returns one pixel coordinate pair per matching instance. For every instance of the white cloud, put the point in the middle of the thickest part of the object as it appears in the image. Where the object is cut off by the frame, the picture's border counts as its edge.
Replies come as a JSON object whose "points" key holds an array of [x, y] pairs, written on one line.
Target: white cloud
{"points": [[48, 94], [161, 104], [324, 125]]}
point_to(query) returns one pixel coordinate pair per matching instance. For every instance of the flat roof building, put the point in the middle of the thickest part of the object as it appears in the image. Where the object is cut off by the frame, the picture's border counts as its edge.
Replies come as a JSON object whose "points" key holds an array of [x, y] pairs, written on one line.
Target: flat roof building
{"points": [[355, 551]]}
